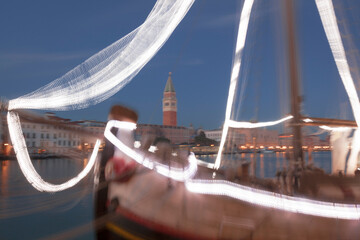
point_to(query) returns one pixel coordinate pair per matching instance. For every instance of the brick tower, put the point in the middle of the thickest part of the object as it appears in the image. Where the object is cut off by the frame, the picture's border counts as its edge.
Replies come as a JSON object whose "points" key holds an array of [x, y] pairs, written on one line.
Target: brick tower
{"points": [[169, 104]]}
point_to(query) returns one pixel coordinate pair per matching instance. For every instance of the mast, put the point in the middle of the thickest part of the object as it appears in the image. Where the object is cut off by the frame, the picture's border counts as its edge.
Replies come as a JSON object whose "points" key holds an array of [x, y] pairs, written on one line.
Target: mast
{"points": [[294, 84]]}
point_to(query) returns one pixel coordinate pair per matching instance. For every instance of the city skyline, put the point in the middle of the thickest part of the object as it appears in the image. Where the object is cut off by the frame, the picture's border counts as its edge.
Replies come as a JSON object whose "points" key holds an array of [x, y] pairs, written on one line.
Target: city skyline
{"points": [[45, 40]]}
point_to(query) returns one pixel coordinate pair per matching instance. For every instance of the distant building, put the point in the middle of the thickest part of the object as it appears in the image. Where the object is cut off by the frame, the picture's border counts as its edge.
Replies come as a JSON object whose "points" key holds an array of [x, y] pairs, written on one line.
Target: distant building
{"points": [[169, 104], [176, 134], [169, 129], [96, 128], [260, 137], [3, 134], [58, 137], [234, 138], [213, 134], [311, 141], [246, 137], [285, 139], [42, 137]]}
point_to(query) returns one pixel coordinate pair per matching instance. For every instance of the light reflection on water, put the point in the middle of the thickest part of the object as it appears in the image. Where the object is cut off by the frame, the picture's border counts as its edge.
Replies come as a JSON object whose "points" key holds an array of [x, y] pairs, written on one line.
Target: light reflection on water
{"points": [[26, 213]]}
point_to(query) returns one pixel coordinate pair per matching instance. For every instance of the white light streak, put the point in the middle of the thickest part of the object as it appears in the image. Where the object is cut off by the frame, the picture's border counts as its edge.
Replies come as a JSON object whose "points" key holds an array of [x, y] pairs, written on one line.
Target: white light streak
{"points": [[137, 144], [328, 18], [335, 129], [27, 167], [233, 190], [152, 149], [354, 154], [307, 120], [147, 160], [274, 200], [96, 79], [105, 73], [235, 124], [241, 37]]}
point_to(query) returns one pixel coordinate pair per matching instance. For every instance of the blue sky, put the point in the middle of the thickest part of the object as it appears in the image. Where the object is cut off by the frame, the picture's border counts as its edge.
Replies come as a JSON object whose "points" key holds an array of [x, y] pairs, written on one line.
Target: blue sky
{"points": [[42, 40]]}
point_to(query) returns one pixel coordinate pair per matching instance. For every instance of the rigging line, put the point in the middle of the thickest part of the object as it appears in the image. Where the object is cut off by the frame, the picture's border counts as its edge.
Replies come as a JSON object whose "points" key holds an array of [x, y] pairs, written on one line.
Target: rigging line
{"points": [[241, 37], [235, 124]]}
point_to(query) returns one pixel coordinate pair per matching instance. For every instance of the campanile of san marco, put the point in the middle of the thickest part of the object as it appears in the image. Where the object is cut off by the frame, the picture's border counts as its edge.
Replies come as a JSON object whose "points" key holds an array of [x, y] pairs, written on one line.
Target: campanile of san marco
{"points": [[169, 104]]}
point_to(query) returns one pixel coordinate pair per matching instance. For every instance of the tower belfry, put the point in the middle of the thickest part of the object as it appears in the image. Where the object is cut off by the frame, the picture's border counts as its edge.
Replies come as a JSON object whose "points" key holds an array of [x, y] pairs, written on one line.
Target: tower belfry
{"points": [[169, 104]]}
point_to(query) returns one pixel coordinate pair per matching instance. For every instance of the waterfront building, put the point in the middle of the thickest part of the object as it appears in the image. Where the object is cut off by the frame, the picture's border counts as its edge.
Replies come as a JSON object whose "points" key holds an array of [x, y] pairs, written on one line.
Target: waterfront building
{"points": [[51, 138], [246, 138], [169, 104], [176, 134], [96, 130], [308, 141], [58, 137], [234, 138], [311, 140], [260, 137], [3, 134], [213, 134]]}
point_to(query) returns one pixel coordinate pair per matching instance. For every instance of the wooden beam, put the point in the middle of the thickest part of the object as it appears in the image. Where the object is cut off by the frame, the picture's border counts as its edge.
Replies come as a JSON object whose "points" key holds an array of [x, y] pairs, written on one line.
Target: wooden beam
{"points": [[328, 122]]}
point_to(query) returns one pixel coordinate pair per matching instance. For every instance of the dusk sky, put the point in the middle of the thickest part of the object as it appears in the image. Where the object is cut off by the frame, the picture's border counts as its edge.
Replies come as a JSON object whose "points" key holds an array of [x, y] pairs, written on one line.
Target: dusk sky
{"points": [[42, 40]]}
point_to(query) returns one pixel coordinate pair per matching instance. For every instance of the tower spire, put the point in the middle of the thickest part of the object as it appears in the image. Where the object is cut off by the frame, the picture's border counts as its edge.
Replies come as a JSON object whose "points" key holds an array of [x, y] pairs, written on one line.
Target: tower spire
{"points": [[169, 103]]}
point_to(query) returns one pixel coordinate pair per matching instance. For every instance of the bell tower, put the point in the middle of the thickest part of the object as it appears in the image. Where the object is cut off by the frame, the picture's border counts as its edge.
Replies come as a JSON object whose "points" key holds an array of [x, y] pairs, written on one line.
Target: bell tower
{"points": [[169, 104]]}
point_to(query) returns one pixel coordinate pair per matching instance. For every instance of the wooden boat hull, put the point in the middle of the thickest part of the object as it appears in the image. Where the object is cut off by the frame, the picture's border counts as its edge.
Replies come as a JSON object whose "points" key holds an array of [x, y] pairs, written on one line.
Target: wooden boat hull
{"points": [[148, 207]]}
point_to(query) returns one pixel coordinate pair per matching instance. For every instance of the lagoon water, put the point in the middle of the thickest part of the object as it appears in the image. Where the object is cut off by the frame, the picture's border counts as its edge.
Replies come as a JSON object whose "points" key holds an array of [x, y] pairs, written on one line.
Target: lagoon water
{"points": [[26, 213]]}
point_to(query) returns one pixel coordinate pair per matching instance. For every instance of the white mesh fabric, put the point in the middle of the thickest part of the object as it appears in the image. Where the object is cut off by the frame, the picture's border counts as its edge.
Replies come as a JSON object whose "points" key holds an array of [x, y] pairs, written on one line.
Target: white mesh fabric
{"points": [[105, 73]]}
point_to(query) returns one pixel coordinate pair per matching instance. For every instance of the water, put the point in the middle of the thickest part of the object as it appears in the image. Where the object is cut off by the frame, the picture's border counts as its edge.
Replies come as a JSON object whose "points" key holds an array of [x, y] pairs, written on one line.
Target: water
{"points": [[26, 213]]}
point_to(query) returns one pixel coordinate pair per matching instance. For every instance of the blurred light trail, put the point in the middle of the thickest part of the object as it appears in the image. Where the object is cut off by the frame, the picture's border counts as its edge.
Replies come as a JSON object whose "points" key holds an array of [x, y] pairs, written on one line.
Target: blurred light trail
{"points": [[148, 160], [106, 72], [274, 200], [241, 37], [230, 189], [335, 129], [328, 18], [235, 124], [27, 167], [95, 80]]}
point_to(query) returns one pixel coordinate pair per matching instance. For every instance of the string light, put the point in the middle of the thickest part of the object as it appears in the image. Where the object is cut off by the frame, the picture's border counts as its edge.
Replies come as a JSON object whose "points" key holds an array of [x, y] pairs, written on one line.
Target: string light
{"points": [[230, 189], [240, 43], [149, 160], [274, 200], [26, 166]]}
